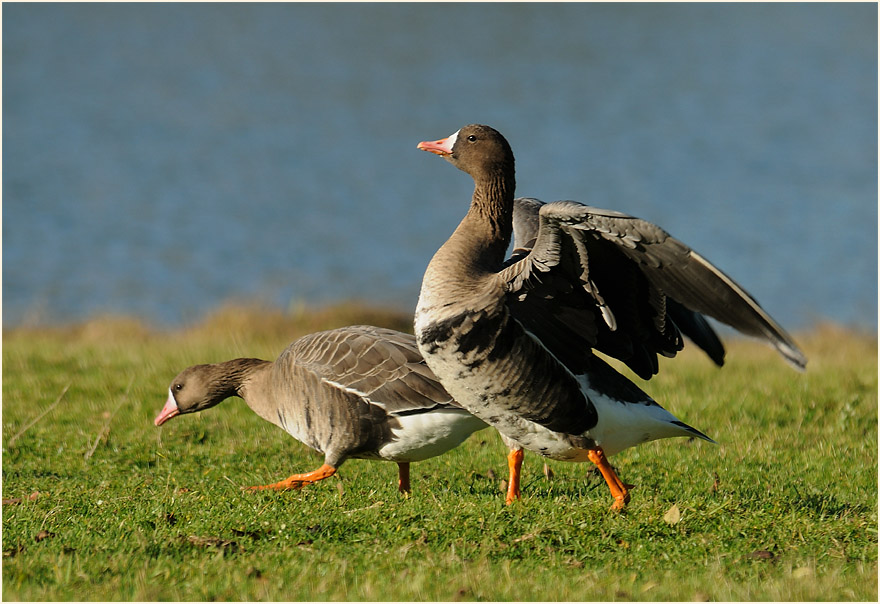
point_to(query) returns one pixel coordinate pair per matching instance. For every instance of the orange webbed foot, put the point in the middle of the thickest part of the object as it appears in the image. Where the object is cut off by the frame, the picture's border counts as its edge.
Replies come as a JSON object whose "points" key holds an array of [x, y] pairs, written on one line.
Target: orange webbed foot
{"points": [[297, 481]]}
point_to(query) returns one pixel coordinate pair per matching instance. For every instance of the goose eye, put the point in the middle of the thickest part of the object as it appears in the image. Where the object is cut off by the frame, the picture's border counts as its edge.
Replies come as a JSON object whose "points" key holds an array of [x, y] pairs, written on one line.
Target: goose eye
{"points": [[471, 138], [178, 387]]}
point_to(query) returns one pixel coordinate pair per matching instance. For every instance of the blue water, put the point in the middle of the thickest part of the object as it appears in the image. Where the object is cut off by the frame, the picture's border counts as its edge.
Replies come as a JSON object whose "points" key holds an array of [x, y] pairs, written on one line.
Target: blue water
{"points": [[161, 159]]}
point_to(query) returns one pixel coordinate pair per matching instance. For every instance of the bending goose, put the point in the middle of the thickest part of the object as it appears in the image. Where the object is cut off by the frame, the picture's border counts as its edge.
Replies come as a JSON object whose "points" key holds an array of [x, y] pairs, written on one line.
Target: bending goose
{"points": [[360, 391], [514, 342]]}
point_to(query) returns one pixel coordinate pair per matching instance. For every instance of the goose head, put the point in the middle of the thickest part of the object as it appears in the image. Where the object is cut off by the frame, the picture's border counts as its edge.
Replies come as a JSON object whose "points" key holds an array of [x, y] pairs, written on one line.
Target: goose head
{"points": [[194, 389], [476, 149]]}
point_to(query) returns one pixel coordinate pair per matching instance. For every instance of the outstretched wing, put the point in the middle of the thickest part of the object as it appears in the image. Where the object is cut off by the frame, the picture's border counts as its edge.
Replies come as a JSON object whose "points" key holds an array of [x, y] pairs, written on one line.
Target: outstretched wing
{"points": [[625, 287], [526, 222]]}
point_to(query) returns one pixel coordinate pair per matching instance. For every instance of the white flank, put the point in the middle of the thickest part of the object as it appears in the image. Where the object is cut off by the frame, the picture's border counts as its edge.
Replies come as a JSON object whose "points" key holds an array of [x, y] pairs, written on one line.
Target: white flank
{"points": [[424, 435], [624, 425]]}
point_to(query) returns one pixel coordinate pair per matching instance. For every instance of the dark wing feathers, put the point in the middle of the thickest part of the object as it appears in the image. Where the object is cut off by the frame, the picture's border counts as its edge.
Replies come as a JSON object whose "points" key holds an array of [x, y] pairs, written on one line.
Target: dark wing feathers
{"points": [[695, 326], [640, 288], [685, 276], [626, 321]]}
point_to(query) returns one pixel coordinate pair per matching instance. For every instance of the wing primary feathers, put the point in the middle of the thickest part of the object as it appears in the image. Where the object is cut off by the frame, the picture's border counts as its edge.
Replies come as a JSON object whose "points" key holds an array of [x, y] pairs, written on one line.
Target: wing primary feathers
{"points": [[626, 253]]}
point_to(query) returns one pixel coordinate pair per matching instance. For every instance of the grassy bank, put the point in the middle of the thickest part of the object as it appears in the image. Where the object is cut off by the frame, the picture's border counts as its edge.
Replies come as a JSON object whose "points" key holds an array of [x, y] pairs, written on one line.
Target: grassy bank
{"points": [[100, 504]]}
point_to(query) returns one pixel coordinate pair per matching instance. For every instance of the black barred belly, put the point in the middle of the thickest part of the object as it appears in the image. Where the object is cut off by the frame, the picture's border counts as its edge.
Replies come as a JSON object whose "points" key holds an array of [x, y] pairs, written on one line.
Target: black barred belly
{"points": [[491, 365]]}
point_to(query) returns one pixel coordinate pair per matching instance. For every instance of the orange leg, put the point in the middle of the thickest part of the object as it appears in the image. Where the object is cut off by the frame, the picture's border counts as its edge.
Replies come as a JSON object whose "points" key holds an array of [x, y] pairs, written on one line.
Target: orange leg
{"points": [[298, 481], [618, 489], [514, 464], [403, 476]]}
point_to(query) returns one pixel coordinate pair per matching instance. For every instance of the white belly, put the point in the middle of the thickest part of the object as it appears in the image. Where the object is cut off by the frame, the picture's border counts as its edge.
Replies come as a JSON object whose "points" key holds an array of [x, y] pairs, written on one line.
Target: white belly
{"points": [[425, 435]]}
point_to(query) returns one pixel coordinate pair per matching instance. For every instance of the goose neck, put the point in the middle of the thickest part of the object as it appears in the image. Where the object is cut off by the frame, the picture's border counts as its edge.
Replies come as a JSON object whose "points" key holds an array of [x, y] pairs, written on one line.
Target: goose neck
{"points": [[489, 221], [241, 376]]}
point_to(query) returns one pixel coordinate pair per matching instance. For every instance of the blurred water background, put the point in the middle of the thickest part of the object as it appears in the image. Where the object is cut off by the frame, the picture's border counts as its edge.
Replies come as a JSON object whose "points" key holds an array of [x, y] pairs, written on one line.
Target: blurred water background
{"points": [[162, 159]]}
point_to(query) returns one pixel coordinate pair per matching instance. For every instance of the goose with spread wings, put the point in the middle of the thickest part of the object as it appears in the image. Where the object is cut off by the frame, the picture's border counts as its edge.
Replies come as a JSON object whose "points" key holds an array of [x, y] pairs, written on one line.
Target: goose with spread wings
{"points": [[515, 342]]}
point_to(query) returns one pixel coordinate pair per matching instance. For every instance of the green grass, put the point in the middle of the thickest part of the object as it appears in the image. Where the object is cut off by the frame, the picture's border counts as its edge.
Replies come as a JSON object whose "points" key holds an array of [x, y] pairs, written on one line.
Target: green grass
{"points": [[785, 507]]}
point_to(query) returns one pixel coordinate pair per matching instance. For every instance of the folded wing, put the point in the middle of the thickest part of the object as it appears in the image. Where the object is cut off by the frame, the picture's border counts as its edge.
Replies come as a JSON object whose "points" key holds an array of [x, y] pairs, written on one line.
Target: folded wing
{"points": [[381, 365]]}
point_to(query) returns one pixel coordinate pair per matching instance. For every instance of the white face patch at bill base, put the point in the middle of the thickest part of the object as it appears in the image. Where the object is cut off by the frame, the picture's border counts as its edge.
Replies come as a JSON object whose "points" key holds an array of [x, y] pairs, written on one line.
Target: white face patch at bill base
{"points": [[168, 411], [450, 140]]}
